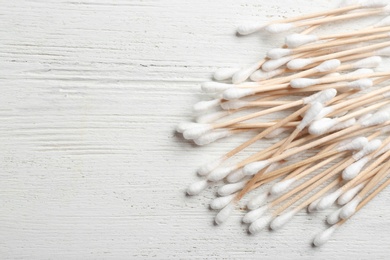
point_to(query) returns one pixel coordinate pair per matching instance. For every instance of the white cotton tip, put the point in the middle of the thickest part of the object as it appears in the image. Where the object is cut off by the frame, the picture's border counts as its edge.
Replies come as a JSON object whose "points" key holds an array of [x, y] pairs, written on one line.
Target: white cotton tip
{"points": [[231, 188], [383, 52], [196, 131], [279, 27], [303, 82], [197, 187], [313, 206], [328, 65], [224, 73], [355, 168], [350, 194], [236, 93], [248, 28], [367, 149], [370, 62], [224, 214], [310, 115], [360, 71], [383, 22], [211, 117], [312, 98], [257, 201], [281, 187], [374, 3], [298, 64], [296, 39], [334, 217], [213, 136], [271, 65], [244, 73], [221, 202], [360, 84], [208, 167], [276, 132], [325, 96], [282, 220], [212, 87], [220, 173], [324, 236], [206, 105], [180, 128], [322, 126], [342, 125], [234, 104], [354, 145], [350, 208], [254, 215], [278, 53], [260, 224], [328, 200], [235, 176], [260, 75], [376, 119], [255, 167]]}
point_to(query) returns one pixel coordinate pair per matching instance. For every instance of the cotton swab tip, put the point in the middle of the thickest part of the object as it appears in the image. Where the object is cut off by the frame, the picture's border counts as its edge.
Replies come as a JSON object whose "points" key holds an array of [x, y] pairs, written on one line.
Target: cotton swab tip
{"points": [[259, 224], [197, 187], [221, 202], [350, 194], [321, 126], [224, 213], [254, 215], [236, 93], [360, 84], [196, 131], [278, 53], [208, 167], [324, 236], [350, 208], [220, 173], [249, 28], [281, 187], [213, 136], [354, 145], [334, 217], [303, 82], [271, 65], [253, 168], [370, 62], [231, 188], [328, 200], [257, 201], [180, 128], [279, 27], [206, 105], [328, 65], [298, 64], [224, 73], [296, 40], [282, 220], [354, 169]]}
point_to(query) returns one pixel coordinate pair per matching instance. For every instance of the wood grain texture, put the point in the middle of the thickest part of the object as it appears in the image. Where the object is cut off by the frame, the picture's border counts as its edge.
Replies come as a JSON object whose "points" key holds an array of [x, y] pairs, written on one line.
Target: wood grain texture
{"points": [[90, 165]]}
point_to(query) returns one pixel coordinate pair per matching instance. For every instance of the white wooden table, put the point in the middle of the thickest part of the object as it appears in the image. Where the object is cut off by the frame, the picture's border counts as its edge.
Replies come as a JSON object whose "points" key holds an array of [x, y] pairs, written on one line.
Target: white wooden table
{"points": [[90, 165]]}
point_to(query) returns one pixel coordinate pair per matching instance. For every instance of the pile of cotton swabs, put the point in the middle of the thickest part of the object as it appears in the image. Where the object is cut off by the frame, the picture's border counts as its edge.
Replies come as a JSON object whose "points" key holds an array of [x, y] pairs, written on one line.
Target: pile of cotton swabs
{"points": [[331, 143]]}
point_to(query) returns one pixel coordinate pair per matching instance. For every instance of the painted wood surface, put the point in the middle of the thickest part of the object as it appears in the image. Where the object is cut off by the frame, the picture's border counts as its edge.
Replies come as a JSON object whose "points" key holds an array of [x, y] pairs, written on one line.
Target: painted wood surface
{"points": [[90, 165]]}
